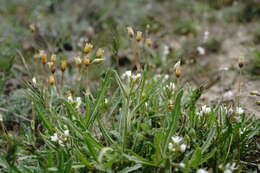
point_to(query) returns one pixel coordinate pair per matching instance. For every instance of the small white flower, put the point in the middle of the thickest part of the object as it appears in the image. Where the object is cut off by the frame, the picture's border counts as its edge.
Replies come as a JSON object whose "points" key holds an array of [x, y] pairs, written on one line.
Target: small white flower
{"points": [[54, 138], [1, 117], [161, 76], [170, 146], [176, 139], [239, 110], [170, 87], [70, 99], [127, 74], [227, 171], [66, 132], [61, 143], [183, 147], [34, 80], [205, 109], [182, 165], [201, 50], [78, 102], [166, 51], [202, 170], [205, 36], [230, 166], [136, 77]]}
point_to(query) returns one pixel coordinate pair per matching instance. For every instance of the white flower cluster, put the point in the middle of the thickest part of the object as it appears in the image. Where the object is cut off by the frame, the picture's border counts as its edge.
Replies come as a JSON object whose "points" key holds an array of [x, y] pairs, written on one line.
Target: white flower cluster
{"points": [[77, 102], [229, 168], [164, 77], [201, 170], [204, 110], [60, 138], [130, 77], [177, 144], [170, 87]]}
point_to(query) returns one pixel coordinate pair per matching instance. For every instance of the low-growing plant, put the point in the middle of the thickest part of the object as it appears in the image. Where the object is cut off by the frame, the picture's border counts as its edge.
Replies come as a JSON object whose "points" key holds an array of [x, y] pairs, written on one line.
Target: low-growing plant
{"points": [[135, 121]]}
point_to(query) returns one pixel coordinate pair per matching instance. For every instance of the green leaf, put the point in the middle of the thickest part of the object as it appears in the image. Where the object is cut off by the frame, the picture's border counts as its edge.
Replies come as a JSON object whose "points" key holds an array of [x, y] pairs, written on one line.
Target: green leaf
{"points": [[83, 160], [175, 115], [45, 121], [196, 158], [209, 139], [100, 99], [131, 169]]}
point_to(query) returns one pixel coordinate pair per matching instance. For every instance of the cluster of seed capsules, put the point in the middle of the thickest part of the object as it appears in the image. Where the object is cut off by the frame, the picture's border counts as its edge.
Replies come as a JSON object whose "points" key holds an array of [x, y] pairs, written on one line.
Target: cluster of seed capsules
{"points": [[78, 60]]}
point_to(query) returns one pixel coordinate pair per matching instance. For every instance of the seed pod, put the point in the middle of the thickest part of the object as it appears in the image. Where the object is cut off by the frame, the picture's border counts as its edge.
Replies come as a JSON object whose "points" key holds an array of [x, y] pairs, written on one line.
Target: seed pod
{"points": [[86, 60], [177, 69], [130, 32], [88, 47], [51, 80], [43, 56], [100, 52], [53, 58], [63, 66], [138, 36]]}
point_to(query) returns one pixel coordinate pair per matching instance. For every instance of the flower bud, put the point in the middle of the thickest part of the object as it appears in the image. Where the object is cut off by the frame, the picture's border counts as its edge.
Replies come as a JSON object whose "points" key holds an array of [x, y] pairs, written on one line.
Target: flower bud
{"points": [[130, 32], [100, 52], [88, 47], [138, 36], [51, 80], [177, 69], [43, 56], [63, 66], [53, 58], [86, 60]]}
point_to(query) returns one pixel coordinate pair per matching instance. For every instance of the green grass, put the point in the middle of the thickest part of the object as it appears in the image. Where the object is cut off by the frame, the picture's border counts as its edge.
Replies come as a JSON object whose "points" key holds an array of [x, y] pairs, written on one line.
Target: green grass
{"points": [[127, 125]]}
